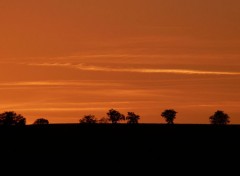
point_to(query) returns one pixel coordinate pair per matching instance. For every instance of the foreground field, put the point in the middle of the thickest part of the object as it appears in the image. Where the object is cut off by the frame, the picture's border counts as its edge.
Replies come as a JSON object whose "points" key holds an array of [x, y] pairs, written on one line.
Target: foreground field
{"points": [[120, 136], [121, 146]]}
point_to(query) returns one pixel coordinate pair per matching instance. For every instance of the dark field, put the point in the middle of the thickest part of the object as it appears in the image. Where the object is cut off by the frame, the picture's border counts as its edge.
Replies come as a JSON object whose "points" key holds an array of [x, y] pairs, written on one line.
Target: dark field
{"points": [[97, 137], [131, 145]]}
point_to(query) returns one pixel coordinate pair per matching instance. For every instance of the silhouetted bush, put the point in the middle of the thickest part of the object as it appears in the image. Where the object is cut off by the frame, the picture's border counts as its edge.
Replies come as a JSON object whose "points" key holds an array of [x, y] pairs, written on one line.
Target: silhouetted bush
{"points": [[41, 121], [88, 119], [103, 120]]}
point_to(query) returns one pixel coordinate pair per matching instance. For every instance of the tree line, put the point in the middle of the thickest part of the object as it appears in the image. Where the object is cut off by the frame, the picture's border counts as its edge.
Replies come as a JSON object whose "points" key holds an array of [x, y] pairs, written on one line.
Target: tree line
{"points": [[113, 116]]}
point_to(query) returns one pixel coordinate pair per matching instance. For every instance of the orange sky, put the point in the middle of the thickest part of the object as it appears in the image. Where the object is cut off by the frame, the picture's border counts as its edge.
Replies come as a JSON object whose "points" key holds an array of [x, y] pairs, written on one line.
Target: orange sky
{"points": [[62, 59]]}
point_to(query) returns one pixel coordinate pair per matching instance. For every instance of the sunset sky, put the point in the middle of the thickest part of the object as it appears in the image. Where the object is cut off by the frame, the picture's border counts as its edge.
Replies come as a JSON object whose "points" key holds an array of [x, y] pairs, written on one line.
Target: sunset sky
{"points": [[63, 59]]}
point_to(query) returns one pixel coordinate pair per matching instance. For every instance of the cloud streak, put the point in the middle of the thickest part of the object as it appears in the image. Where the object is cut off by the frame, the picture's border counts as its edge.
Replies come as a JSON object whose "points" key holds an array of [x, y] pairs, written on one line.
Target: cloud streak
{"points": [[145, 70], [137, 70], [57, 83], [61, 109]]}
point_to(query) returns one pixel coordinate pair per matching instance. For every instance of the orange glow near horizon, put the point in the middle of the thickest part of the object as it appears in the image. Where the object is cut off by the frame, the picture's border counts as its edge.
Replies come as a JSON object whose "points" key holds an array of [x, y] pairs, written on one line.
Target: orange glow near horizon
{"points": [[63, 59]]}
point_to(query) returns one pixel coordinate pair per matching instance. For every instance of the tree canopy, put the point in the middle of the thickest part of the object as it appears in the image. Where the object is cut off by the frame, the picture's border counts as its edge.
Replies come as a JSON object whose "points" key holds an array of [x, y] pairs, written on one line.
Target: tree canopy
{"points": [[132, 118], [219, 117], [115, 116], [169, 115], [12, 118]]}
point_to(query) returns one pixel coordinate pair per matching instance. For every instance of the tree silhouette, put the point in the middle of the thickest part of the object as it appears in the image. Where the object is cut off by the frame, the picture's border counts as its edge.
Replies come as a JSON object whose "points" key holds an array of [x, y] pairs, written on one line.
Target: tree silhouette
{"points": [[132, 118], [12, 118], [219, 117], [115, 116], [169, 115], [41, 121], [103, 120], [88, 119]]}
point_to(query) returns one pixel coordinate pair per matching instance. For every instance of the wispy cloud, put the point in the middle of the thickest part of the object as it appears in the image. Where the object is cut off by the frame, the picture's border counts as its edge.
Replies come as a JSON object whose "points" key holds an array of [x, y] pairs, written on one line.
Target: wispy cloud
{"points": [[52, 64], [146, 70], [118, 58], [56, 83], [231, 104], [37, 83], [60, 109], [64, 109], [138, 70]]}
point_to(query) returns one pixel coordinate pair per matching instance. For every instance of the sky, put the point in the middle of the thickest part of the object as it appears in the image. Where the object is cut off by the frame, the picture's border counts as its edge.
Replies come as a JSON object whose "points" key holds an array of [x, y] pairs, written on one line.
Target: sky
{"points": [[63, 59]]}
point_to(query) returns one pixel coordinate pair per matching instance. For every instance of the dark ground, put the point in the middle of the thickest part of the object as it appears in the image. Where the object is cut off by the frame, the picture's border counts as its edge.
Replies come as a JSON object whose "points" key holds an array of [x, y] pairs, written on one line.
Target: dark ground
{"points": [[121, 146]]}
